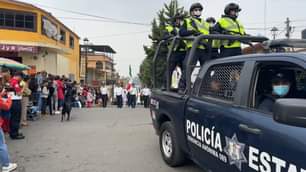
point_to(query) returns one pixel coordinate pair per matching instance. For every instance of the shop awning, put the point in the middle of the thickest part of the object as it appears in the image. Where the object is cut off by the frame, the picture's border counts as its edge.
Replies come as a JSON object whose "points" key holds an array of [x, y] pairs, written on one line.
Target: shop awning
{"points": [[9, 45]]}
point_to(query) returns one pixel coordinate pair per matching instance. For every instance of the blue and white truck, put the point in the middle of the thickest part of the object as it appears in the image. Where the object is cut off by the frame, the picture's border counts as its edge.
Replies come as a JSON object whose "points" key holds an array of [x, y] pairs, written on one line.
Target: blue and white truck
{"points": [[217, 121]]}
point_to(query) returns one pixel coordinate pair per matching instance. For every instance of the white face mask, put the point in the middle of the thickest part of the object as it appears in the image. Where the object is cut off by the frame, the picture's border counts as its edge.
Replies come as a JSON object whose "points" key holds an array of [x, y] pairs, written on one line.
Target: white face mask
{"points": [[197, 13], [237, 14]]}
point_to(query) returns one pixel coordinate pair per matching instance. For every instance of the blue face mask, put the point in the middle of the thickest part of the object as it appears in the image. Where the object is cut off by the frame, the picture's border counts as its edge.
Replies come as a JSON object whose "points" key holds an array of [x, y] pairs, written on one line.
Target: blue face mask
{"points": [[281, 90]]}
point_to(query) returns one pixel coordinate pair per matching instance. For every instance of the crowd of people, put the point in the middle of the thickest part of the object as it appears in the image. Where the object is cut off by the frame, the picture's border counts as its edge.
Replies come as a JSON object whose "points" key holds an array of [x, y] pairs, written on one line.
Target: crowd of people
{"points": [[30, 97], [122, 96]]}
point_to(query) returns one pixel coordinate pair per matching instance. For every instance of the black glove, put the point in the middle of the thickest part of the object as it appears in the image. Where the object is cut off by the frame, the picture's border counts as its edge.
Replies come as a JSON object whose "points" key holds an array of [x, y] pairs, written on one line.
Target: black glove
{"points": [[196, 33]]}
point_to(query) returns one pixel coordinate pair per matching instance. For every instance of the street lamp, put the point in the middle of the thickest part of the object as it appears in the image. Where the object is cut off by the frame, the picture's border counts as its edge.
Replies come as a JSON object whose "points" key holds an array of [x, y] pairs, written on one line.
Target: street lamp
{"points": [[86, 41]]}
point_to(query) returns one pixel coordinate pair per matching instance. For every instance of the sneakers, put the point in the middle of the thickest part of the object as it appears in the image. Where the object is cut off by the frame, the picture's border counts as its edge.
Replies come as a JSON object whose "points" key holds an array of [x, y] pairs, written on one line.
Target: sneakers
{"points": [[11, 167]]}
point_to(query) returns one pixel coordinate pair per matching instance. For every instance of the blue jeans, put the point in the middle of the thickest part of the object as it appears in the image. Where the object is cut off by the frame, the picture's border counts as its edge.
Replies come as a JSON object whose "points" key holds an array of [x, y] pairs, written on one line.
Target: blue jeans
{"points": [[4, 156], [39, 101]]}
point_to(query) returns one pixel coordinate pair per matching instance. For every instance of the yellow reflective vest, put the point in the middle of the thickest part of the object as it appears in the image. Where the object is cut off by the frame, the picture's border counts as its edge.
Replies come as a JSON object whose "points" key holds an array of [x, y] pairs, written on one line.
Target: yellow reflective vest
{"points": [[170, 28], [198, 26], [177, 47], [233, 27]]}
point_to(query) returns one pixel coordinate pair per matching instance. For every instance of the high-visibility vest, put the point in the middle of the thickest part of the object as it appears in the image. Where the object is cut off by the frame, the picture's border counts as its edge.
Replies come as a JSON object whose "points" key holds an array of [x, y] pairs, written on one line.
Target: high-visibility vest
{"points": [[177, 47], [198, 26], [170, 28], [216, 44], [233, 27]]}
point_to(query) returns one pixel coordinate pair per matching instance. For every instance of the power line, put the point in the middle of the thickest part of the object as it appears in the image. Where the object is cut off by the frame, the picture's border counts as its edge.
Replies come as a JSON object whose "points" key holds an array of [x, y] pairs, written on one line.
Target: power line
{"points": [[90, 19], [119, 34], [95, 16]]}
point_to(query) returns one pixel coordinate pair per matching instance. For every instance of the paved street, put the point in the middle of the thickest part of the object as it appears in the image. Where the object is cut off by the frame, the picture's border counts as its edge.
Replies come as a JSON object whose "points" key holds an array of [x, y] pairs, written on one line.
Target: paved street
{"points": [[96, 140]]}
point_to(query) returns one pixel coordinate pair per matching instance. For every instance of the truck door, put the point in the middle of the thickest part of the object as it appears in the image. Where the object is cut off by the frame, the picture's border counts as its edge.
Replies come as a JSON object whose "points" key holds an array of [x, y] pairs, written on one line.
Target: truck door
{"points": [[269, 145], [212, 123]]}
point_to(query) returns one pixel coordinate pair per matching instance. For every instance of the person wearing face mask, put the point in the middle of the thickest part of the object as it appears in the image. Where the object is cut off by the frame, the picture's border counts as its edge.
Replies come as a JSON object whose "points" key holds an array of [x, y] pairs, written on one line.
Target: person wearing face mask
{"points": [[215, 43], [194, 26], [179, 50], [229, 24], [280, 89]]}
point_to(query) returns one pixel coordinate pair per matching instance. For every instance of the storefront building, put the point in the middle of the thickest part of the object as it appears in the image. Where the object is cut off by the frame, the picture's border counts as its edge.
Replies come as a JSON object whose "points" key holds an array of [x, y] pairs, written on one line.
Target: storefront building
{"points": [[100, 65], [34, 37]]}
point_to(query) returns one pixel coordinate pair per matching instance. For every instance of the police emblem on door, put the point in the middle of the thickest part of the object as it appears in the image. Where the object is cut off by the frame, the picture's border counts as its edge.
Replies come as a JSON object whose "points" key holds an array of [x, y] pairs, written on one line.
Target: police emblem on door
{"points": [[234, 150]]}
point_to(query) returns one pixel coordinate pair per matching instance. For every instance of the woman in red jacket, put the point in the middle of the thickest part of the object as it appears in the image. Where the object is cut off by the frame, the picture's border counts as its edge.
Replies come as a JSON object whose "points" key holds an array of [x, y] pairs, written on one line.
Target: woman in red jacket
{"points": [[60, 93], [5, 104]]}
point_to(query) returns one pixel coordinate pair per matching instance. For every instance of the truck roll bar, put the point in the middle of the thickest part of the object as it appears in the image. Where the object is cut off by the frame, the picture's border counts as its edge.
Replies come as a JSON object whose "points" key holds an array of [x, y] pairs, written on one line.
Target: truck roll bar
{"points": [[196, 42]]}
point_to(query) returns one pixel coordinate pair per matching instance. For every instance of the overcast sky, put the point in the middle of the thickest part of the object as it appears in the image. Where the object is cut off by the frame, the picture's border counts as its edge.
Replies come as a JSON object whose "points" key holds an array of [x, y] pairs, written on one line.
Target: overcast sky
{"points": [[129, 47]]}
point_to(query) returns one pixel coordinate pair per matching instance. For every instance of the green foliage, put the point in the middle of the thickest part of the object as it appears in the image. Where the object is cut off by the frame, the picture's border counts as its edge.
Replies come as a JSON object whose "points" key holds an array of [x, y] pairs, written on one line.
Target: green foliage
{"points": [[164, 17]]}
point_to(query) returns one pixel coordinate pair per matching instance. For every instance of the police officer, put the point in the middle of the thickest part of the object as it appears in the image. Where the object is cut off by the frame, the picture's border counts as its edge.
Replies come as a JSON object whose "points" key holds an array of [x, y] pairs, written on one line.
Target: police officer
{"points": [[229, 24], [179, 50], [215, 43], [194, 26], [280, 89]]}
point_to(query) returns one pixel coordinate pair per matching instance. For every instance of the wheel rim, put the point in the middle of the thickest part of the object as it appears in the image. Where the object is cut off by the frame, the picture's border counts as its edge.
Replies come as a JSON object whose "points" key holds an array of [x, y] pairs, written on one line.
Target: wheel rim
{"points": [[167, 144]]}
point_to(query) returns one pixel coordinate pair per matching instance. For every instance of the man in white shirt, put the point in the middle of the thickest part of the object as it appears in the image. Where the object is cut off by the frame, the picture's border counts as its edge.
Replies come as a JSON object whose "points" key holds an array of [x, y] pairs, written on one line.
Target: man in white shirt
{"points": [[146, 96], [118, 93], [104, 93], [133, 93]]}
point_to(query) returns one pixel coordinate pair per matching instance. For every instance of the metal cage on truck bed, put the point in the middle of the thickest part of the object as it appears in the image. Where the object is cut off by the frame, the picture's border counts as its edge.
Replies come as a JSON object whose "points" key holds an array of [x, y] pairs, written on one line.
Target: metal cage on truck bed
{"points": [[249, 40]]}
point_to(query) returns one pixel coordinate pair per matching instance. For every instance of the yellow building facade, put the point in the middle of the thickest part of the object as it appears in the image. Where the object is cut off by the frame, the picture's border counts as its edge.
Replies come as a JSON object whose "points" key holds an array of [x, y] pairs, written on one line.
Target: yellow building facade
{"points": [[34, 37]]}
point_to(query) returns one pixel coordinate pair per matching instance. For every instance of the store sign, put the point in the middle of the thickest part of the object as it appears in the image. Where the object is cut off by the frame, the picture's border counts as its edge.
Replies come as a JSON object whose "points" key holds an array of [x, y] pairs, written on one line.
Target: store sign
{"points": [[18, 48], [50, 29]]}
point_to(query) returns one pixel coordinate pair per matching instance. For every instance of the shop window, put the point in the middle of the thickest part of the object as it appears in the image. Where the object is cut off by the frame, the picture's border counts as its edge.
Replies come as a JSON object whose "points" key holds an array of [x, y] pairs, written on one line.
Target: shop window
{"points": [[1, 18], [63, 36], [29, 21], [9, 19], [20, 20], [17, 20], [71, 42]]}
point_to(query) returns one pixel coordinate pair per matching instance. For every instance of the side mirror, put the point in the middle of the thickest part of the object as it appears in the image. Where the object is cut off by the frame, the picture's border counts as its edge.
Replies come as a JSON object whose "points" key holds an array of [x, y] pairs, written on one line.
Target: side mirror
{"points": [[290, 112]]}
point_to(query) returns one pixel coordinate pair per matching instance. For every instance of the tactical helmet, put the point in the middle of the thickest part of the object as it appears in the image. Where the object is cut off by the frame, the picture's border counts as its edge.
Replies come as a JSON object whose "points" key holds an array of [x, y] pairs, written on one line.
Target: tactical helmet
{"points": [[231, 7], [211, 20], [178, 16], [195, 6]]}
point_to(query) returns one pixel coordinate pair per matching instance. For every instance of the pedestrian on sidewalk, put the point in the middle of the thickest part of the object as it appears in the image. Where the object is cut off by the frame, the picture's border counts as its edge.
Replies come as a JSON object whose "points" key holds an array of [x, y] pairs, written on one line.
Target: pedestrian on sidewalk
{"points": [[50, 100], [104, 93], [26, 93], [44, 95], [5, 78], [128, 95], [146, 96], [90, 98], [16, 107], [5, 162], [60, 94], [54, 97], [118, 93], [133, 94]]}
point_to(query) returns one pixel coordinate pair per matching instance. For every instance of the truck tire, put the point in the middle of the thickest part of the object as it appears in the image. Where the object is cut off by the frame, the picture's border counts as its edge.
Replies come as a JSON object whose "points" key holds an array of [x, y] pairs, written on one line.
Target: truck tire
{"points": [[169, 147]]}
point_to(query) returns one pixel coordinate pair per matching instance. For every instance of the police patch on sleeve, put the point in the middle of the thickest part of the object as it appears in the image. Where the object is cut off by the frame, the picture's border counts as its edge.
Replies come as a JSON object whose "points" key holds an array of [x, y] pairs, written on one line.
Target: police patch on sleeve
{"points": [[234, 150]]}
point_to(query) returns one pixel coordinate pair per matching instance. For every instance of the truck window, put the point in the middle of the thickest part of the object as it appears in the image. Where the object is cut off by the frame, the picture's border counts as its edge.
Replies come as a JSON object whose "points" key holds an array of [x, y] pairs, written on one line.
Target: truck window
{"points": [[271, 75], [221, 81]]}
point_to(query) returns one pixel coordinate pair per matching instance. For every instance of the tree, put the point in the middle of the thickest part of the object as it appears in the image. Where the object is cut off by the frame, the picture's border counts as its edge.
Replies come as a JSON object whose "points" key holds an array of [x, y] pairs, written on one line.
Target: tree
{"points": [[164, 17]]}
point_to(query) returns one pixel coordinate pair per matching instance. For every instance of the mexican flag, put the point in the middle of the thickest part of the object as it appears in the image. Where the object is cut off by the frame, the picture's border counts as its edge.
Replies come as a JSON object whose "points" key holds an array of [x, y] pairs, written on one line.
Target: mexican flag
{"points": [[130, 71]]}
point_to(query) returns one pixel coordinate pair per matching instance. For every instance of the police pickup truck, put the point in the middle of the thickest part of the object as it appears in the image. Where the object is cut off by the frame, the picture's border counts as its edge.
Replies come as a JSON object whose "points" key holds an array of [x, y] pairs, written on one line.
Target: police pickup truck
{"points": [[219, 123]]}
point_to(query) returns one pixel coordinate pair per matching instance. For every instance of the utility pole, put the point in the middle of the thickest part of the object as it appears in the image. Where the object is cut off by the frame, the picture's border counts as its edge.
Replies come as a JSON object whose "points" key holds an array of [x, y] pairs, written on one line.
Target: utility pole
{"points": [[289, 28], [265, 17], [274, 31], [86, 41]]}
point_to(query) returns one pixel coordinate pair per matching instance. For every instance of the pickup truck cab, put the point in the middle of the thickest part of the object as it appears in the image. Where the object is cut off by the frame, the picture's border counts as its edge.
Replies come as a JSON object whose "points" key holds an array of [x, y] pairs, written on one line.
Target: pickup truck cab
{"points": [[219, 123]]}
